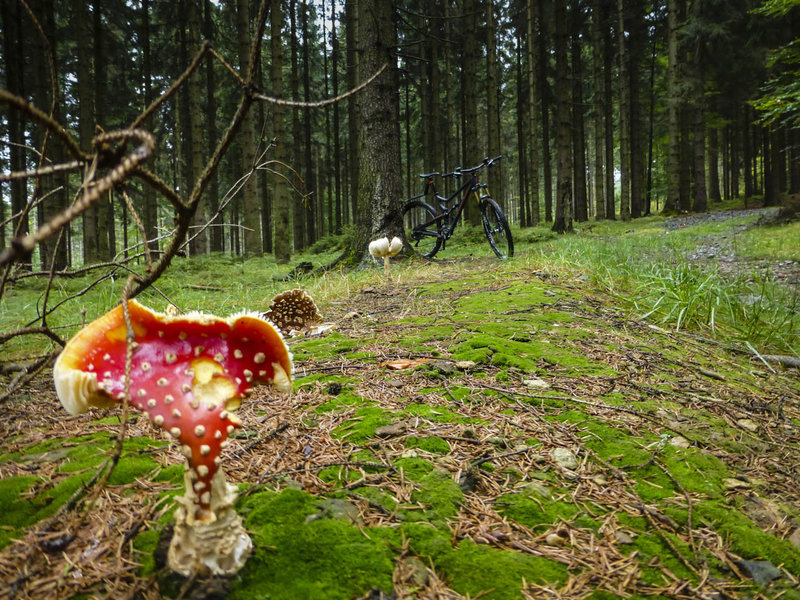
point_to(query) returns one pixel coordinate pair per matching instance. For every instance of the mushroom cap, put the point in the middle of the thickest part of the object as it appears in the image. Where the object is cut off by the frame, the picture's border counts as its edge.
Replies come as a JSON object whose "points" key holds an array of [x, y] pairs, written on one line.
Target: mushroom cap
{"points": [[293, 310], [382, 247], [187, 373], [379, 248], [395, 246]]}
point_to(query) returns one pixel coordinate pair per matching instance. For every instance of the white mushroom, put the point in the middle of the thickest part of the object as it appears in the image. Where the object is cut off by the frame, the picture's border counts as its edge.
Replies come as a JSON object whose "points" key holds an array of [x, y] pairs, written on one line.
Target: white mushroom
{"points": [[385, 249]]}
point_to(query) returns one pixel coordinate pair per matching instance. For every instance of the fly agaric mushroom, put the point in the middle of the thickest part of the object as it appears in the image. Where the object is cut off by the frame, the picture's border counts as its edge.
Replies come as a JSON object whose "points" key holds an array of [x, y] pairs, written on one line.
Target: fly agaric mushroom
{"points": [[188, 373], [293, 311], [383, 248]]}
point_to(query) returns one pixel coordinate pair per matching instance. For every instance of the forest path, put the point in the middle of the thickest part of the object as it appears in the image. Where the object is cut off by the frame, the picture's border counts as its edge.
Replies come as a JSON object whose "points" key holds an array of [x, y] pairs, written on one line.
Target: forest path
{"points": [[720, 249], [465, 433]]}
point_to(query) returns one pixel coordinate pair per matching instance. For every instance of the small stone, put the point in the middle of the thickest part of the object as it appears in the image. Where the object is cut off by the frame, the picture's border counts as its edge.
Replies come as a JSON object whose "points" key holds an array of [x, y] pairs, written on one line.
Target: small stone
{"points": [[534, 487], [761, 571], [410, 453], [445, 367], [679, 442], [600, 480], [623, 538], [564, 458], [734, 484], [748, 424], [465, 365], [537, 383], [336, 508], [553, 539], [394, 429]]}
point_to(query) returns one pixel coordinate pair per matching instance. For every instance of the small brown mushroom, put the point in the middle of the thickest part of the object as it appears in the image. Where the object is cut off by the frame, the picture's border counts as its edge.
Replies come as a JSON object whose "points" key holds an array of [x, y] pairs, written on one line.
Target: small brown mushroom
{"points": [[293, 310]]}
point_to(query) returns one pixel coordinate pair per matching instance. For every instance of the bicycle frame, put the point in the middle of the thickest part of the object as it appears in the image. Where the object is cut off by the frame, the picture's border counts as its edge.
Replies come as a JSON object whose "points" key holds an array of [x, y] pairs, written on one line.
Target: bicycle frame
{"points": [[449, 216]]}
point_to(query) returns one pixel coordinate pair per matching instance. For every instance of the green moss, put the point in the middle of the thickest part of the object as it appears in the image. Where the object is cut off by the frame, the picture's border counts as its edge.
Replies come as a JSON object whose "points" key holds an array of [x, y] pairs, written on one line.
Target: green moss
{"points": [[747, 539], [297, 556], [324, 347], [534, 509], [130, 467], [144, 546], [431, 443], [439, 495], [367, 420], [16, 512], [343, 399]]}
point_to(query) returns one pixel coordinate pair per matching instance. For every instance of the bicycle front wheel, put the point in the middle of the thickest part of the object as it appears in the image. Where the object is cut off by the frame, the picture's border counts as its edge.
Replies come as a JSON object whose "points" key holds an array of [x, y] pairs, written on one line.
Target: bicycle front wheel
{"points": [[495, 225], [421, 228]]}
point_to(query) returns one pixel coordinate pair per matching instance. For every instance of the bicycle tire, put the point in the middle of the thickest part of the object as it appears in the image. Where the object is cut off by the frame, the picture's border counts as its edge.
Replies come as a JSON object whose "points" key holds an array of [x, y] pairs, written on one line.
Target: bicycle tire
{"points": [[426, 240], [495, 226]]}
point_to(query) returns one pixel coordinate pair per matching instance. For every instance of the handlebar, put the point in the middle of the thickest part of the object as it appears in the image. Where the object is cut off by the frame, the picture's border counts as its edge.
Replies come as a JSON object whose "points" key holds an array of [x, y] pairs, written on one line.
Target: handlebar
{"points": [[487, 162]]}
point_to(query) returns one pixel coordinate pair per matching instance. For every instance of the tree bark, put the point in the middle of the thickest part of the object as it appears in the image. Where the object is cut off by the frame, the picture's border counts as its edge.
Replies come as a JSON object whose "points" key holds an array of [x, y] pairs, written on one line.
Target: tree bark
{"points": [[597, 110], [493, 86], [149, 205], [624, 118], [533, 98], [580, 203], [563, 215], [216, 237], [545, 95], [86, 120], [608, 109], [308, 162], [250, 193], [672, 202], [380, 186], [280, 197], [469, 91]]}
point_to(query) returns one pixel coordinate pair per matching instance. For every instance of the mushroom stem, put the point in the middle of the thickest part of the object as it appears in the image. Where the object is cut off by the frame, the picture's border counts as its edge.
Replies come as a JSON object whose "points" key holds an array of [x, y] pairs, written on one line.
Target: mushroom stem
{"points": [[208, 542], [387, 267]]}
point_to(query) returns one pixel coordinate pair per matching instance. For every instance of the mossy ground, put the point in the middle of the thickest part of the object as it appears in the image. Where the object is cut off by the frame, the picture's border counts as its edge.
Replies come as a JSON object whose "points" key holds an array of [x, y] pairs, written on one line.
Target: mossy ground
{"points": [[441, 481]]}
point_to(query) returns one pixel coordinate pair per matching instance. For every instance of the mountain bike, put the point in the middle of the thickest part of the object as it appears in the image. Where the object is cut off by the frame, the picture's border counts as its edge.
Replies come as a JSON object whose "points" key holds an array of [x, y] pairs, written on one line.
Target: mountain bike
{"points": [[427, 229]]}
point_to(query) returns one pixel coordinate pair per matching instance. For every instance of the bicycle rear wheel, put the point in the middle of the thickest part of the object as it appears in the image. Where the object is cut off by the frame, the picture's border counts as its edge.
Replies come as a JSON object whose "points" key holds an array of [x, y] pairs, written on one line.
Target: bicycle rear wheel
{"points": [[422, 231], [495, 225]]}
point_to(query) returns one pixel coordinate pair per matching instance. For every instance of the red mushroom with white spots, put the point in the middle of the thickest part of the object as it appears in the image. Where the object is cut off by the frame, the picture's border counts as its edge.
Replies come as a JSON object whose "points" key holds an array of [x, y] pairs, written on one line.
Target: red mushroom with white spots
{"points": [[188, 374]]}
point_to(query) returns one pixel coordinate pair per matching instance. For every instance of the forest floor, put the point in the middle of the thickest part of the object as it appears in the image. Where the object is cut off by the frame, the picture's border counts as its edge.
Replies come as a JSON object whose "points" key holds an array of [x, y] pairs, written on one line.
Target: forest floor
{"points": [[460, 432]]}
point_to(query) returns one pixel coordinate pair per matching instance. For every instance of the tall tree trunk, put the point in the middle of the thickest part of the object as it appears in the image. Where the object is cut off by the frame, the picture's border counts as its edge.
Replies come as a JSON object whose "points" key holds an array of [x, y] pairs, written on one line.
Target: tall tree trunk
{"points": [[106, 238], [298, 206], [51, 189], [672, 202], [772, 166], [280, 196], [469, 90], [635, 51], [523, 127], [337, 156], [545, 95], [608, 108], [650, 122], [351, 76], [495, 174], [700, 197], [713, 165], [533, 98], [149, 206], [580, 202], [250, 192], [308, 162], [563, 215], [380, 185], [216, 232], [624, 118], [86, 120], [597, 110]]}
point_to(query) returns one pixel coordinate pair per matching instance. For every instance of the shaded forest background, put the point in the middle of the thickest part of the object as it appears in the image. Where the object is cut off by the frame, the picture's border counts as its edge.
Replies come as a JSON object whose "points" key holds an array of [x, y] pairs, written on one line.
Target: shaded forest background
{"points": [[602, 109]]}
